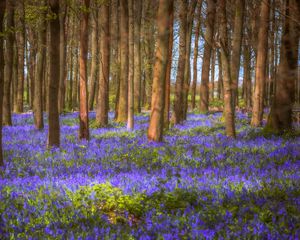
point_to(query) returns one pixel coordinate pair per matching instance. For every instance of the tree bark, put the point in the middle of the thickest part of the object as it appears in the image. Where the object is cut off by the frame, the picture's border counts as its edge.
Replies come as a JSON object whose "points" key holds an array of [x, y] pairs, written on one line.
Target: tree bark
{"points": [[123, 97], [195, 56], [228, 107], [63, 57], [9, 56], [40, 69], [155, 130], [103, 90], [94, 63], [137, 58], [179, 85], [54, 52], [187, 67], [169, 68], [83, 102], [280, 117], [204, 87], [236, 48], [2, 11], [21, 56], [130, 120], [260, 68]]}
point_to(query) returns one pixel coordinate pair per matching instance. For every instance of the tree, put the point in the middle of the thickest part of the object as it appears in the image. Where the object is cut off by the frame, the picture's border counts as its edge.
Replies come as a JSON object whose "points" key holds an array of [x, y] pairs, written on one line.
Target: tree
{"points": [[236, 48], [138, 5], [280, 117], [187, 67], [169, 68], [9, 55], [130, 120], [228, 107], [83, 103], [20, 37], [195, 60], [155, 130], [260, 68], [40, 70], [63, 58], [179, 85], [94, 63], [54, 54], [102, 105], [2, 11], [210, 22], [123, 96]]}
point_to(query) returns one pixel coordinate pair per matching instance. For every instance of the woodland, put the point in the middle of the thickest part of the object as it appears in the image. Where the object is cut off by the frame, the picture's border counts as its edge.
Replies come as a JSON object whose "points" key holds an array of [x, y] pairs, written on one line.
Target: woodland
{"points": [[149, 119]]}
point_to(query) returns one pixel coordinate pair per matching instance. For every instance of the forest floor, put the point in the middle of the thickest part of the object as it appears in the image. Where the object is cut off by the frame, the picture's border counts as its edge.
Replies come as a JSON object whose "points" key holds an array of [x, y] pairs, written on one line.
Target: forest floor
{"points": [[197, 184]]}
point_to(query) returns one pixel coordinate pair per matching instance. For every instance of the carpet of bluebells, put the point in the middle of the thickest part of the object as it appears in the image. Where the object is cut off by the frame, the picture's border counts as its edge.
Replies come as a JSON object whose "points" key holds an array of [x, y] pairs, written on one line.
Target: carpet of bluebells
{"points": [[197, 184]]}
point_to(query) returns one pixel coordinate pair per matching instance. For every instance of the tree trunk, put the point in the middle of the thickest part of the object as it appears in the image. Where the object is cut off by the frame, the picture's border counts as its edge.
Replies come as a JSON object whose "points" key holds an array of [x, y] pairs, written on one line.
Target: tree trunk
{"points": [[155, 130], [54, 52], [236, 48], [63, 57], [123, 97], [21, 56], [9, 57], [40, 69], [247, 76], [103, 90], [228, 107], [137, 55], [280, 118], [179, 85], [212, 82], [94, 63], [204, 87], [83, 102], [260, 68], [169, 68], [2, 11], [187, 67], [195, 59], [130, 120], [220, 78]]}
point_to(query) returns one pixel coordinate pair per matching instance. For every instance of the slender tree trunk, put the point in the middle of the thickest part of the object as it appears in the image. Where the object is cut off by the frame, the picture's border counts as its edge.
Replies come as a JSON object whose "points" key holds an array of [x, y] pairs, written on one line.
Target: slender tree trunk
{"points": [[280, 118], [54, 52], [187, 67], [236, 48], [204, 87], [260, 68], [83, 102], [213, 63], [149, 48], [123, 97], [115, 53], [195, 60], [130, 120], [228, 107], [103, 90], [220, 79], [155, 130], [179, 85], [169, 68], [94, 63], [9, 57], [137, 55], [21, 56], [2, 11], [63, 57], [40, 69], [247, 76]]}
